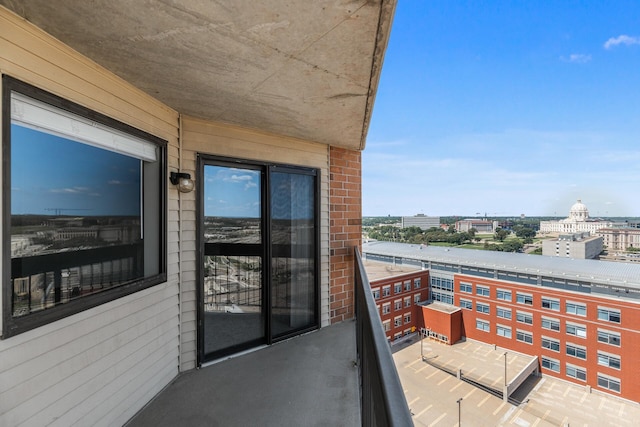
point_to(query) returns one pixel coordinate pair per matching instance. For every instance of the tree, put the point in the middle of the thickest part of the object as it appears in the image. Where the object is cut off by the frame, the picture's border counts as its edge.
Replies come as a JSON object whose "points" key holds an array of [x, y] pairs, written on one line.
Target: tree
{"points": [[500, 234], [472, 232], [524, 232], [452, 229], [512, 245]]}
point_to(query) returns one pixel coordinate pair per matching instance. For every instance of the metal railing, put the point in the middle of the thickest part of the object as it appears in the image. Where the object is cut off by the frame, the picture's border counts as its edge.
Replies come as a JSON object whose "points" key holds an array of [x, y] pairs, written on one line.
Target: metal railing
{"points": [[382, 398]]}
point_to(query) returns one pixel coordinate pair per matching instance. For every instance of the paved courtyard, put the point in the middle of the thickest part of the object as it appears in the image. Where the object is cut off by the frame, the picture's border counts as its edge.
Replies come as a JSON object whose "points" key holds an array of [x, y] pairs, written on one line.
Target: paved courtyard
{"points": [[433, 394]]}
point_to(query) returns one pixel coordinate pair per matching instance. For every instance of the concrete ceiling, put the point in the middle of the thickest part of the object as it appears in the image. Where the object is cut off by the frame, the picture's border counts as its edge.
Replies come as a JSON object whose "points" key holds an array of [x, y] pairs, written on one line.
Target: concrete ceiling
{"points": [[302, 68]]}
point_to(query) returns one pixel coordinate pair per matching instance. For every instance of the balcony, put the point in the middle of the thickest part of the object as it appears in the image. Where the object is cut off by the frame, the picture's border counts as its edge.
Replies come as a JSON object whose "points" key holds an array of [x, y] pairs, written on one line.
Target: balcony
{"points": [[314, 379]]}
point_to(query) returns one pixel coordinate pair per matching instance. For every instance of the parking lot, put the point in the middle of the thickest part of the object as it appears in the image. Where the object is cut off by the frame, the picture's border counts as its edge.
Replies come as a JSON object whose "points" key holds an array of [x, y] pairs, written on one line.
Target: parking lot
{"points": [[433, 394]]}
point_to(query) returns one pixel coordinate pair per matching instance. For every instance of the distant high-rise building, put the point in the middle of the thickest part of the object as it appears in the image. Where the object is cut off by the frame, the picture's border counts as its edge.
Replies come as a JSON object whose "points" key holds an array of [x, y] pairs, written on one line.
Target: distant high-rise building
{"points": [[421, 220]]}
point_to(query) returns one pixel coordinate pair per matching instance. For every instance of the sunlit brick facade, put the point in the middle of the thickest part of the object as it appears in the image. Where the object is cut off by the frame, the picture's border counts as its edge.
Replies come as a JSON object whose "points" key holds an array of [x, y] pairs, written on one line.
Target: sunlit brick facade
{"points": [[581, 318], [397, 299]]}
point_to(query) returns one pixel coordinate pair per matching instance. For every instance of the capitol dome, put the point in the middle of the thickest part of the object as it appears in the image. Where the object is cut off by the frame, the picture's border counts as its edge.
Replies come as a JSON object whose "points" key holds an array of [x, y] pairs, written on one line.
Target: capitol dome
{"points": [[579, 211]]}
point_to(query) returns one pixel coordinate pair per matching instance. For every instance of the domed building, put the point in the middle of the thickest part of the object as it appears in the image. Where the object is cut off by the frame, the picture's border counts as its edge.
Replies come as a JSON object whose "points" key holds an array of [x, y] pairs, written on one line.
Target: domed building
{"points": [[578, 221]]}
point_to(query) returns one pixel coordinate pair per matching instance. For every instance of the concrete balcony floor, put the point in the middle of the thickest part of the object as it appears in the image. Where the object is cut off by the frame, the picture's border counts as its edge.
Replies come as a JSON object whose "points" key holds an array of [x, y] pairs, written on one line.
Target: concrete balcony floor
{"points": [[310, 380]]}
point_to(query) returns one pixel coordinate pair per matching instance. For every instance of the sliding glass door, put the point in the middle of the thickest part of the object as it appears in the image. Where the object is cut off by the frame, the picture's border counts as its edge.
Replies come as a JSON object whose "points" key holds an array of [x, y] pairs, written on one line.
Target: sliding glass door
{"points": [[258, 231]]}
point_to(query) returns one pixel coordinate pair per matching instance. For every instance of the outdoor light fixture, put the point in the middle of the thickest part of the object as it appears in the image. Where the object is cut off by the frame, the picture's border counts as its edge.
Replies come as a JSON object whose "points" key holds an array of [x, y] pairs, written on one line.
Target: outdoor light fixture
{"points": [[182, 180]]}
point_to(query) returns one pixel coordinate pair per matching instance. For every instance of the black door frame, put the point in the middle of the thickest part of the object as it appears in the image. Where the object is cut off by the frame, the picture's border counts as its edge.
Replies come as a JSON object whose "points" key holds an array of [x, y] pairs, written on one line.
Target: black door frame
{"points": [[264, 168]]}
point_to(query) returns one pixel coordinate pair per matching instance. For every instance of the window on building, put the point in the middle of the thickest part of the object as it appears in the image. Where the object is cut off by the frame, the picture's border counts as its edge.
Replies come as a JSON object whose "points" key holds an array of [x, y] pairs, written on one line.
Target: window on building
{"points": [[551, 344], [397, 288], [386, 291], [503, 331], [576, 330], [503, 295], [407, 285], [386, 308], [442, 297], [576, 372], [482, 325], [397, 321], [376, 293], [482, 308], [387, 325], [551, 324], [610, 360], [576, 308], [482, 291], [442, 283], [526, 299], [504, 313], [407, 318], [550, 364], [466, 304], [609, 383], [417, 283], [416, 299], [397, 336], [576, 351], [524, 336], [609, 314], [81, 234], [397, 305], [551, 303], [466, 287], [608, 337], [407, 302], [523, 317]]}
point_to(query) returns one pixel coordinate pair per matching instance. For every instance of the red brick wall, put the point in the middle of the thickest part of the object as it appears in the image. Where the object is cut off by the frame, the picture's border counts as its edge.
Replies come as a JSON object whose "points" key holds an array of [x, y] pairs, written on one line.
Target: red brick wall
{"points": [[415, 310], [345, 228], [629, 351]]}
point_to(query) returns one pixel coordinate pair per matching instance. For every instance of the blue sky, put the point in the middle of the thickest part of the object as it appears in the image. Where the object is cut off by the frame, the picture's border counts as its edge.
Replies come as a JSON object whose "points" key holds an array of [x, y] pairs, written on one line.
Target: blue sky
{"points": [[507, 108], [52, 175], [232, 192]]}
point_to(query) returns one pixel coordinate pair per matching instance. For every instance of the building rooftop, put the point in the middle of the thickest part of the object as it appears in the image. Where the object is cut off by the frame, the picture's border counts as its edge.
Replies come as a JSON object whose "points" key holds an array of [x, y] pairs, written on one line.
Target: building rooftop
{"points": [[442, 307], [593, 271]]}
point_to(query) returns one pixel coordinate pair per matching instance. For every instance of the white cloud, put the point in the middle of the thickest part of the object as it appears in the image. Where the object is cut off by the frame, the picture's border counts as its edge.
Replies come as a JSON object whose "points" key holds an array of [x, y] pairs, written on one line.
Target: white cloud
{"points": [[577, 58], [114, 182], [622, 39]]}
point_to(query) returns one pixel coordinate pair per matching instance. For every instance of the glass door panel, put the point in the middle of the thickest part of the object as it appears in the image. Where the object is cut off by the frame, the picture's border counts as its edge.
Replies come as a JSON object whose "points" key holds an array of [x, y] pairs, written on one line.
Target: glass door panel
{"points": [[293, 246], [233, 279]]}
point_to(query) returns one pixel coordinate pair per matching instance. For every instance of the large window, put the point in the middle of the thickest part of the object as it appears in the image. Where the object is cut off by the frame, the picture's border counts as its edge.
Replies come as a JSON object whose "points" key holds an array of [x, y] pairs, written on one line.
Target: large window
{"points": [[576, 308], [608, 337], [84, 206], [551, 364], [551, 324], [609, 383], [577, 330], [609, 314], [576, 372]]}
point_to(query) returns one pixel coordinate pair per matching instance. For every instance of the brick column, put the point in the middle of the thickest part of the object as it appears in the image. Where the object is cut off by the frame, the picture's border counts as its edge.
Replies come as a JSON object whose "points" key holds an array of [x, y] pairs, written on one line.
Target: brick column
{"points": [[345, 228]]}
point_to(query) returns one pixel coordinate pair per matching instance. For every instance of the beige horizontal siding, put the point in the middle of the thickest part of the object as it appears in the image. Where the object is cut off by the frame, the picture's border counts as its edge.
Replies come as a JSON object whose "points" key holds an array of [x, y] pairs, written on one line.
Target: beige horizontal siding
{"points": [[102, 365]]}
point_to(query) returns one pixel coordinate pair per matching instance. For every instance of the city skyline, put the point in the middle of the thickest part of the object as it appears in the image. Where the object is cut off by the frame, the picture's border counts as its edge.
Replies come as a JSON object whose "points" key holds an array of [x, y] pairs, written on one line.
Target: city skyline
{"points": [[506, 109]]}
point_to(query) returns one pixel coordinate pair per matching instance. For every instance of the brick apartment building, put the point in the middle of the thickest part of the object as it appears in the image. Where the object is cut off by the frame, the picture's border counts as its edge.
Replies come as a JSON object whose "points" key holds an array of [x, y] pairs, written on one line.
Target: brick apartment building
{"points": [[581, 318], [398, 299]]}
